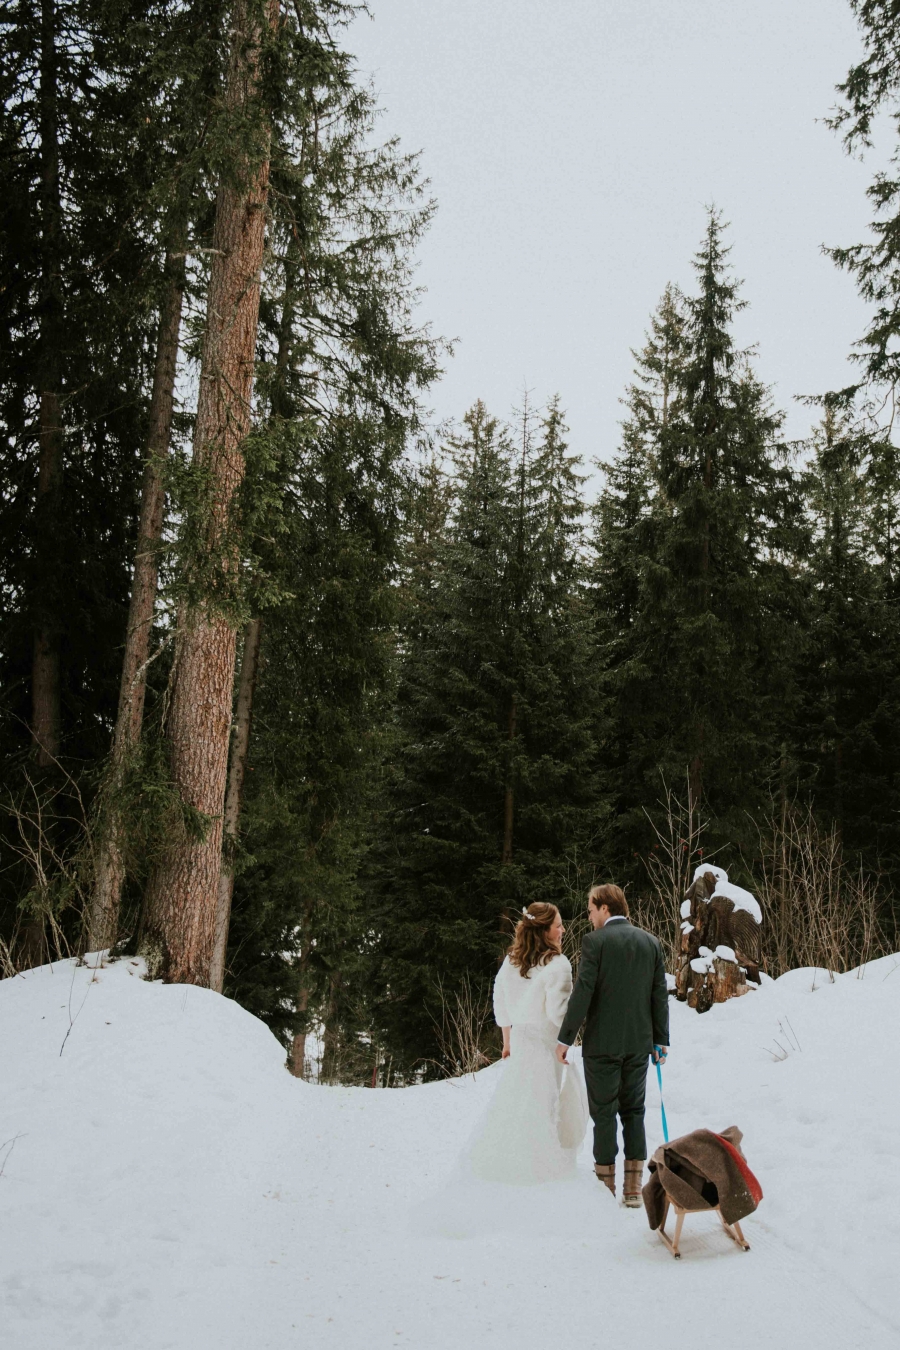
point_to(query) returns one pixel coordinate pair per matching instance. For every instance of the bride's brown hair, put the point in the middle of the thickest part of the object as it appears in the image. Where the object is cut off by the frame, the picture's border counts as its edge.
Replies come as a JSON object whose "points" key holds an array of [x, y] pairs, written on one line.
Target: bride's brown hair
{"points": [[532, 944]]}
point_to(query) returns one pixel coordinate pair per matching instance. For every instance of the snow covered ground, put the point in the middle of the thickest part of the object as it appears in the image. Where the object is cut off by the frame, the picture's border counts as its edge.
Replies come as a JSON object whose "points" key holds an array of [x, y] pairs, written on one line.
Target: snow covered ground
{"points": [[165, 1183]]}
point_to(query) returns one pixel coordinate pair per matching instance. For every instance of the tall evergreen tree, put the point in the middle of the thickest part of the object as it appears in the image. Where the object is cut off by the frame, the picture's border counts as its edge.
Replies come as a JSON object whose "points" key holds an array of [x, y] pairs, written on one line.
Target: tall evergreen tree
{"points": [[491, 795], [622, 564], [342, 350], [71, 398], [701, 649], [182, 68], [854, 501], [81, 119], [847, 741], [341, 367], [180, 907], [301, 917], [872, 88], [143, 119]]}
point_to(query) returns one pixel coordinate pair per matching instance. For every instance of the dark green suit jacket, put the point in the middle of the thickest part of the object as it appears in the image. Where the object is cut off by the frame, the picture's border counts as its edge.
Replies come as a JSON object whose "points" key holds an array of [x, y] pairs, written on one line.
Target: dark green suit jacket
{"points": [[620, 993]]}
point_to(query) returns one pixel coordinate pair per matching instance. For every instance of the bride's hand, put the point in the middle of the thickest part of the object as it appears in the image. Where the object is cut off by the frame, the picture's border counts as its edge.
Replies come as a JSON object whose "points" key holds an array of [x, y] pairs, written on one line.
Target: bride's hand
{"points": [[504, 1053]]}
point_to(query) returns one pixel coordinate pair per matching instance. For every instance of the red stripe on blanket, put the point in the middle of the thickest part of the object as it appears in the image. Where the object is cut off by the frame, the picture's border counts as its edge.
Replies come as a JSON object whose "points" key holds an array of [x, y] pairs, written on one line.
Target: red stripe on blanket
{"points": [[753, 1185]]}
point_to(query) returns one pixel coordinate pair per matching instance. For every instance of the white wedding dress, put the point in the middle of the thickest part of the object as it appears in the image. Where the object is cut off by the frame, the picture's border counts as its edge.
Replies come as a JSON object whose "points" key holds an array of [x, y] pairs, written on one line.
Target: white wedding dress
{"points": [[536, 1120]]}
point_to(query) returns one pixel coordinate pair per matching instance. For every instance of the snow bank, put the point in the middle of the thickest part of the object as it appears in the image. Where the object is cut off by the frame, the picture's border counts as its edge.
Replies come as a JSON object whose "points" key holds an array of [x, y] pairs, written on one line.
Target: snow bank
{"points": [[167, 1186]]}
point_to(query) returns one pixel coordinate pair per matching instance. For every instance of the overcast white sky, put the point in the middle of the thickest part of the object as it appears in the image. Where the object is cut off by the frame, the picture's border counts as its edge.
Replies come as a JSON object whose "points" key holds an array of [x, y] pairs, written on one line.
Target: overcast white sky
{"points": [[572, 146]]}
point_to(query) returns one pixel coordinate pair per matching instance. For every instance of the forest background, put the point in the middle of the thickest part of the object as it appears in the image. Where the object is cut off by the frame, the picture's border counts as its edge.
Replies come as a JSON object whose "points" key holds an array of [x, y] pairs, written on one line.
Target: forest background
{"points": [[304, 698]]}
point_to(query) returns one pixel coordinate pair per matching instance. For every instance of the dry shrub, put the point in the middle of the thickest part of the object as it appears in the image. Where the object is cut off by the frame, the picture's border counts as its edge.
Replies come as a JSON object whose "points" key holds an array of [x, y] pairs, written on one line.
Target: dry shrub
{"points": [[580, 875], [679, 831], [466, 1030], [47, 833], [7, 964], [577, 929], [818, 910]]}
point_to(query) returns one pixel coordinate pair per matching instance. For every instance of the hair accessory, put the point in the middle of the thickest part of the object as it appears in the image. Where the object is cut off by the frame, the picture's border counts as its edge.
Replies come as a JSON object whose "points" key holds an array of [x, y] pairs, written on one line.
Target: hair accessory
{"points": [[529, 916]]}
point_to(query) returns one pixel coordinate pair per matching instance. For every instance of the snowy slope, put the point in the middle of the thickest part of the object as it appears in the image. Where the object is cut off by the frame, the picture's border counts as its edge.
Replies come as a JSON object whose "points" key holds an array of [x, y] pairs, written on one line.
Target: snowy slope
{"points": [[171, 1186]]}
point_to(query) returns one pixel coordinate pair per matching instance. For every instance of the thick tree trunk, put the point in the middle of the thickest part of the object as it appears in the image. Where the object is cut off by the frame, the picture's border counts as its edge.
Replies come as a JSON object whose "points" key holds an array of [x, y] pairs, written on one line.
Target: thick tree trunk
{"points": [[239, 751], [281, 407], [297, 1060], [723, 981], [509, 796], [146, 560], [110, 866], [181, 901], [45, 679]]}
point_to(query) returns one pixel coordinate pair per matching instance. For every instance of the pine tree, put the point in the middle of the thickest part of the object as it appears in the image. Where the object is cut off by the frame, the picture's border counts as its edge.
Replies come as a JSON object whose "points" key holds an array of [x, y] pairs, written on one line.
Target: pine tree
{"points": [[659, 367], [872, 88], [441, 854], [145, 135], [300, 916], [340, 369], [561, 807], [180, 906], [623, 563], [848, 744], [183, 68], [491, 799], [699, 659], [76, 324], [853, 752]]}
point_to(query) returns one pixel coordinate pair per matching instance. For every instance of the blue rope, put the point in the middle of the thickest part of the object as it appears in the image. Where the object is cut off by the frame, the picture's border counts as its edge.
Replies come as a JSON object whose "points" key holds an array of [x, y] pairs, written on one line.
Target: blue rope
{"points": [[661, 1103]]}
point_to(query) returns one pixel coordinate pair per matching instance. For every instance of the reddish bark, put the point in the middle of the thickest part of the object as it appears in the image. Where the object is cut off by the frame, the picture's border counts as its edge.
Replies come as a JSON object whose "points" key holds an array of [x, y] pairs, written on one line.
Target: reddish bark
{"points": [[181, 901], [110, 864], [233, 796], [297, 1059]]}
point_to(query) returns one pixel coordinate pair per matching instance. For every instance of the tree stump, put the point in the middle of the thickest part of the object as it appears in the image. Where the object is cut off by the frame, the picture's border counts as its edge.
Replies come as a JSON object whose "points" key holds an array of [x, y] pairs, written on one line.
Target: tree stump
{"points": [[720, 941], [730, 980], [715, 977], [701, 994]]}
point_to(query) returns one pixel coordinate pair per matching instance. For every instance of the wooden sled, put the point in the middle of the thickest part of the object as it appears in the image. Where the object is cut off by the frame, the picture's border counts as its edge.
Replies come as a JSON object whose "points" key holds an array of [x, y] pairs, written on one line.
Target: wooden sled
{"points": [[732, 1229]]}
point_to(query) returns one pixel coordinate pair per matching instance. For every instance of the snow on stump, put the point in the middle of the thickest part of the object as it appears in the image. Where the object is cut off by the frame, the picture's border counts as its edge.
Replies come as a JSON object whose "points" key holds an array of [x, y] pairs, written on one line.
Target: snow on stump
{"points": [[720, 940]]}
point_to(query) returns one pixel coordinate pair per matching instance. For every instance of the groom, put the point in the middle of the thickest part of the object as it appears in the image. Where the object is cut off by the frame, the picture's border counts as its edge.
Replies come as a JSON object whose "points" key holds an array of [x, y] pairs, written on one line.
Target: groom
{"points": [[621, 995]]}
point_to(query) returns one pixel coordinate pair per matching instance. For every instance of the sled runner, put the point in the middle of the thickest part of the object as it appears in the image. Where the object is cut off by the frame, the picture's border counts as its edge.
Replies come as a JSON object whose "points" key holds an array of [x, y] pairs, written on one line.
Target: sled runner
{"points": [[699, 1172], [732, 1229]]}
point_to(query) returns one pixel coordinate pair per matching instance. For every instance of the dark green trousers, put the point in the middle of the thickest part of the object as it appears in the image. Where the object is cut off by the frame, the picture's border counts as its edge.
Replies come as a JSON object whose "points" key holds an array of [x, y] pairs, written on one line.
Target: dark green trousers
{"points": [[616, 1085]]}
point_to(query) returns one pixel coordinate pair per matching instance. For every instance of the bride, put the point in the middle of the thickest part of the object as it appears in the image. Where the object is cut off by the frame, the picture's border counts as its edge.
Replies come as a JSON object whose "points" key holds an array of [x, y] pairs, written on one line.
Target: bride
{"points": [[536, 1120]]}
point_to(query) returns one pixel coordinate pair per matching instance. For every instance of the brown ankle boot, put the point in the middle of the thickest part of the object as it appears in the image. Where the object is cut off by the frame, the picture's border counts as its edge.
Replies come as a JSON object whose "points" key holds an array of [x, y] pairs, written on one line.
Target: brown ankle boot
{"points": [[606, 1172], [631, 1191]]}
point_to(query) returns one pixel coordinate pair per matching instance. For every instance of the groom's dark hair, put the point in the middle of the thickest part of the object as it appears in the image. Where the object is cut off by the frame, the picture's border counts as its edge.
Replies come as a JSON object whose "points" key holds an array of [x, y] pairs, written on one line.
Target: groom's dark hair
{"points": [[613, 897]]}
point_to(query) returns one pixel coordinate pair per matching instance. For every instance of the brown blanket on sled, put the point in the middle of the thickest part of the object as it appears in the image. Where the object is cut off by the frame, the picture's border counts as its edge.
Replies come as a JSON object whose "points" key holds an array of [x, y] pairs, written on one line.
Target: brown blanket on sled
{"points": [[700, 1171]]}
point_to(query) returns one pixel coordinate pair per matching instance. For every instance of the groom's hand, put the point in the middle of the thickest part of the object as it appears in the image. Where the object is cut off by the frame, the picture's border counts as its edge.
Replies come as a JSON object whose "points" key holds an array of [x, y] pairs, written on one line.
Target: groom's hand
{"points": [[561, 1052], [660, 1053]]}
